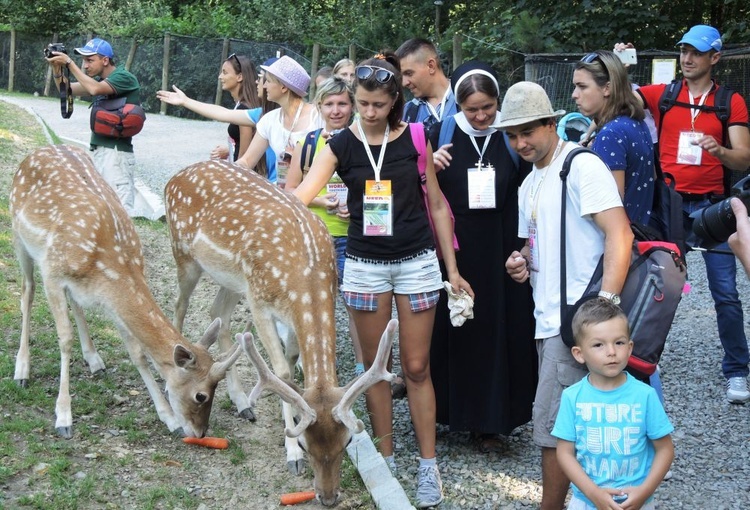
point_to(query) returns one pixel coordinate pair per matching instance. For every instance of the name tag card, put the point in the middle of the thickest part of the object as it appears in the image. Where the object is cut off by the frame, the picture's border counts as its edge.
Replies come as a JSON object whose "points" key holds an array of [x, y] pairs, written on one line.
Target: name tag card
{"points": [[377, 209], [688, 152], [481, 187]]}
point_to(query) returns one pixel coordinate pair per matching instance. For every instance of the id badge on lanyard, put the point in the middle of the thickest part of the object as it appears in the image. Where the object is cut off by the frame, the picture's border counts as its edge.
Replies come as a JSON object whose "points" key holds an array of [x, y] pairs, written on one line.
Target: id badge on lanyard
{"points": [[688, 150], [377, 208], [481, 187], [481, 179], [533, 248], [377, 202]]}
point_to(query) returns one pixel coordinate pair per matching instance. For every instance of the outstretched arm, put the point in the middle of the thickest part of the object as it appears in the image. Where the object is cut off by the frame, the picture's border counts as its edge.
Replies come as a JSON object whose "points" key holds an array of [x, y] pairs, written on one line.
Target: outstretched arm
{"points": [[86, 85], [210, 111]]}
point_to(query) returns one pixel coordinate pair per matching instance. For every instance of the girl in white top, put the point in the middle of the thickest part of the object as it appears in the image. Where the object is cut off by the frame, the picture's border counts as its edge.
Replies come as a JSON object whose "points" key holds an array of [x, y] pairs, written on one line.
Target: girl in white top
{"points": [[286, 83]]}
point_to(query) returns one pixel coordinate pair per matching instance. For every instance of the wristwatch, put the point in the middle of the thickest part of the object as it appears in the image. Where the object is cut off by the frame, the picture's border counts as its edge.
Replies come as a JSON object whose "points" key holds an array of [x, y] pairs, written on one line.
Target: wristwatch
{"points": [[610, 296]]}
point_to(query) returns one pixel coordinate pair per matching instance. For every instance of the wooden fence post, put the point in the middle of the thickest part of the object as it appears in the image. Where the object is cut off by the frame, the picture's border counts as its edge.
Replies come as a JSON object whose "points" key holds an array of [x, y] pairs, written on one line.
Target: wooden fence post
{"points": [[12, 60], [352, 53], [458, 57], [165, 71], [131, 54], [314, 70], [224, 56]]}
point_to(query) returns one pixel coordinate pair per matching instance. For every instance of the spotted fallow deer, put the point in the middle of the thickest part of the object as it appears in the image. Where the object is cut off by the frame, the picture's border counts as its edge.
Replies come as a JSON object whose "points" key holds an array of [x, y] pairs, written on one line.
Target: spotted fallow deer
{"points": [[68, 221], [256, 240]]}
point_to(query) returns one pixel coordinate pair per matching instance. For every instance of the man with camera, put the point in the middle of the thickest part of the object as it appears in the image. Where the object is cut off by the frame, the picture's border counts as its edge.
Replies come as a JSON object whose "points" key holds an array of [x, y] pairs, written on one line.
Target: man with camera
{"points": [[101, 79], [697, 140]]}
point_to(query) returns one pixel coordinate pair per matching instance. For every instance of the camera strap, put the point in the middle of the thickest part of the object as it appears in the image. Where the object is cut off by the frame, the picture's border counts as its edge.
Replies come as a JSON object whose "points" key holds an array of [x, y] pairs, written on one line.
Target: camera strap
{"points": [[66, 95]]}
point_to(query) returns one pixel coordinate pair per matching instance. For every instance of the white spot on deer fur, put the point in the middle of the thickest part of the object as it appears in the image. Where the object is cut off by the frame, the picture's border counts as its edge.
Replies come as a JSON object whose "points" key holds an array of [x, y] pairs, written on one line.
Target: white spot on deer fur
{"points": [[323, 294], [306, 298], [292, 296], [307, 317], [306, 271]]}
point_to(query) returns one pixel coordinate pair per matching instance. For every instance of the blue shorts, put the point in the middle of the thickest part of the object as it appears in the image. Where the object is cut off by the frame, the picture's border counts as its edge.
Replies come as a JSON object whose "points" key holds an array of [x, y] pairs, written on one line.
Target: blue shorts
{"points": [[418, 277], [339, 245]]}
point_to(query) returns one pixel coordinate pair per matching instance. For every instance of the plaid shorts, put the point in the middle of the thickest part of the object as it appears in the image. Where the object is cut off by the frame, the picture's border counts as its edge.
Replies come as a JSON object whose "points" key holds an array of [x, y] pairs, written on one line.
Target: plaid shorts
{"points": [[368, 302], [417, 277]]}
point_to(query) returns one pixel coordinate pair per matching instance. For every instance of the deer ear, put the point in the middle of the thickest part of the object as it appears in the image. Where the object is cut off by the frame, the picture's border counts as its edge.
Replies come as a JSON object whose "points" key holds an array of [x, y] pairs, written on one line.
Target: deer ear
{"points": [[183, 358]]}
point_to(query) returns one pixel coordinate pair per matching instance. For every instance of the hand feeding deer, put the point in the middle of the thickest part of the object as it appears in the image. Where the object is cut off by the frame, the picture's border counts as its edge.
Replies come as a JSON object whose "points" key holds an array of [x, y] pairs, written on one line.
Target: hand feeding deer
{"points": [[68, 221], [256, 240]]}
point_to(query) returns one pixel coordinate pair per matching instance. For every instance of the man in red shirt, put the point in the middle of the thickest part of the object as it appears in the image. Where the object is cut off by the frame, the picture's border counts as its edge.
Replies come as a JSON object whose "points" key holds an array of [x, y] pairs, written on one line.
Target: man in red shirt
{"points": [[693, 148]]}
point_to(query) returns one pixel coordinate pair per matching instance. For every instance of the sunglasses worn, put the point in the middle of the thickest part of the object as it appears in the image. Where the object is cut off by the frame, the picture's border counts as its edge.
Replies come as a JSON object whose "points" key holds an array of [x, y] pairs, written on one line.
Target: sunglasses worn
{"points": [[382, 75]]}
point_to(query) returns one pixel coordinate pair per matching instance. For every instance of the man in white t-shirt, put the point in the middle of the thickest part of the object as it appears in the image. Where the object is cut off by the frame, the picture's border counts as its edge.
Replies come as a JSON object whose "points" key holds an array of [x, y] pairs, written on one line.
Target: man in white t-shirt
{"points": [[596, 224]]}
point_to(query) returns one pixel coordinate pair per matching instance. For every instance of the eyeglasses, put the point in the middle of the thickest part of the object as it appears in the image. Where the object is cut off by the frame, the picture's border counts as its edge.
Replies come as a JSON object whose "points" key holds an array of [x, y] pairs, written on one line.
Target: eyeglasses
{"points": [[382, 75]]}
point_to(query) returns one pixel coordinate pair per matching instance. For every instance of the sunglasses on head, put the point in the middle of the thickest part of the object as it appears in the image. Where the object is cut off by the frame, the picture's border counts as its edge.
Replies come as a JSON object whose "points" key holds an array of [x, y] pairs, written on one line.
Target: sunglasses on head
{"points": [[382, 75], [590, 57], [234, 57]]}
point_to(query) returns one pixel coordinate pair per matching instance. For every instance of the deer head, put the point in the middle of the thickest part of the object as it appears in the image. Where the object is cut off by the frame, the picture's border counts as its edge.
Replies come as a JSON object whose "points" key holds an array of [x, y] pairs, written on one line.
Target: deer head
{"points": [[327, 421]]}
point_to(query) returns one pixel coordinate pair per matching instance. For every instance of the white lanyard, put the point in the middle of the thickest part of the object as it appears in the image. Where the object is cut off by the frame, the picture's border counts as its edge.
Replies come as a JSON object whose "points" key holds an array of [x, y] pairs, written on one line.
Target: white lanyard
{"points": [[294, 123], [484, 148], [433, 111], [379, 165], [694, 112]]}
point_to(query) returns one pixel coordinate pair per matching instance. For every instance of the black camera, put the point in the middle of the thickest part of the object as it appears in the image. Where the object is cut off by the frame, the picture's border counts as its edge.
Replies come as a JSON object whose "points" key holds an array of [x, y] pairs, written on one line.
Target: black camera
{"points": [[59, 47], [714, 224]]}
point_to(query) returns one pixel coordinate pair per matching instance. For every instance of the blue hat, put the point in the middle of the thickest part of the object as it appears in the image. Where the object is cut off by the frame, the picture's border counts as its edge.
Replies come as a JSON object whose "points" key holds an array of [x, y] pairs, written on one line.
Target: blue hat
{"points": [[96, 46], [702, 38], [270, 61]]}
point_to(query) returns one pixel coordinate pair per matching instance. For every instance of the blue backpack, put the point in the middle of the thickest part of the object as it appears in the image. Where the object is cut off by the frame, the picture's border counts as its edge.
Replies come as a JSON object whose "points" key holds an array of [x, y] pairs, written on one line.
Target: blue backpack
{"points": [[572, 126]]}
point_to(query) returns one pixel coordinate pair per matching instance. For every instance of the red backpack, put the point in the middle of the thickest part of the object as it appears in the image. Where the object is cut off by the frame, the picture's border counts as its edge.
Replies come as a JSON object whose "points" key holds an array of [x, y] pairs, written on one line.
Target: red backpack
{"points": [[114, 118]]}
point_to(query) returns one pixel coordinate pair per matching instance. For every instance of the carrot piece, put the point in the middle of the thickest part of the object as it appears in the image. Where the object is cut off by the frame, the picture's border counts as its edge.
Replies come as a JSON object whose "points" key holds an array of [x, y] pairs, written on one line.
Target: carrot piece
{"points": [[293, 498], [219, 443]]}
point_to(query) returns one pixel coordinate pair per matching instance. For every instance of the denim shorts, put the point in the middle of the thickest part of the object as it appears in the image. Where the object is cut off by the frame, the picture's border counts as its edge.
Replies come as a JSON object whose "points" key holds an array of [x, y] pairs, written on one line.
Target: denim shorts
{"points": [[558, 369], [418, 277]]}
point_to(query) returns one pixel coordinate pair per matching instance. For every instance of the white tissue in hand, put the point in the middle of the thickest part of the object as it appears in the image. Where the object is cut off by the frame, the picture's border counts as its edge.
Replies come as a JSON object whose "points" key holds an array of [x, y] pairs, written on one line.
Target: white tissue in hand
{"points": [[460, 305]]}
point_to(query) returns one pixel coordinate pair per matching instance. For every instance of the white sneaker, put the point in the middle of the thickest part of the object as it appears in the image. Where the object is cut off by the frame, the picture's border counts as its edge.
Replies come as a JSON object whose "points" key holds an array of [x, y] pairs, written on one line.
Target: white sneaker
{"points": [[737, 390], [429, 487]]}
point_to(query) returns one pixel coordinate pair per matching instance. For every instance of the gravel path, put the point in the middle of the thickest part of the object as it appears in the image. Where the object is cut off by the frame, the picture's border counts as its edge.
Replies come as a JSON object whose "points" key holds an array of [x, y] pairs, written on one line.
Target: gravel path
{"points": [[712, 437]]}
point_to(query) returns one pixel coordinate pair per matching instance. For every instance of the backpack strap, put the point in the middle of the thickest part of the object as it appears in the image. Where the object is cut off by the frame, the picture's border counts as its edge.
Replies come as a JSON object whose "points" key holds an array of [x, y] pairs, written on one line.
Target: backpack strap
{"points": [[420, 143], [308, 149], [563, 269], [411, 110]]}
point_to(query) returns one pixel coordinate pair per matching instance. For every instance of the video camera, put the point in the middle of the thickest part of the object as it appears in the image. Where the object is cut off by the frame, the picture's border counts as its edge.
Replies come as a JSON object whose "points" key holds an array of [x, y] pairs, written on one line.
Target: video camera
{"points": [[59, 47], [714, 224]]}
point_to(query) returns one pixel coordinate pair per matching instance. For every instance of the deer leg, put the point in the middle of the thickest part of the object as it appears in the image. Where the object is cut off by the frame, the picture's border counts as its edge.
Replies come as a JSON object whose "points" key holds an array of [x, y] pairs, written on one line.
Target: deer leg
{"points": [[163, 409], [94, 361], [224, 303], [269, 337], [188, 275], [23, 358], [59, 308]]}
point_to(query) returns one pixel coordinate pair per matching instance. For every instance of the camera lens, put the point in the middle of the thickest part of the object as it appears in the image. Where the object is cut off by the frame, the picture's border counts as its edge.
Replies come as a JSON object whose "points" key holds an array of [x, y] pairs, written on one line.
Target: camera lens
{"points": [[714, 224]]}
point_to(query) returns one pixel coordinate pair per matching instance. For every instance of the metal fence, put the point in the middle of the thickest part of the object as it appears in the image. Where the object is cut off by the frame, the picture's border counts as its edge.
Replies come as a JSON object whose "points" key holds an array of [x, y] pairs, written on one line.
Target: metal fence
{"points": [[191, 63], [554, 72]]}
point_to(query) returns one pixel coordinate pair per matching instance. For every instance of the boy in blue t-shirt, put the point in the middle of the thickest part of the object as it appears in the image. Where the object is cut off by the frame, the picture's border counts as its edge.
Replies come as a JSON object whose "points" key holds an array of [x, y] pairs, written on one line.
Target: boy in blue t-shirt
{"points": [[613, 435]]}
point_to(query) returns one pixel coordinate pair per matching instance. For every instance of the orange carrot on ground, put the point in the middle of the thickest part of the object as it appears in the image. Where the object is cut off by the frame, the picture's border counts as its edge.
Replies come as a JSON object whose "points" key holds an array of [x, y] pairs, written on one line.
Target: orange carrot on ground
{"points": [[219, 443], [293, 498]]}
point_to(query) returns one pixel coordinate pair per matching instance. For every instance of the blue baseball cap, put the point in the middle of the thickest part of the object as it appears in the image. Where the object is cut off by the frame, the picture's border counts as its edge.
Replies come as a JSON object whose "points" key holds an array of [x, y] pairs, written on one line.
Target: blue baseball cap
{"points": [[96, 46], [702, 38]]}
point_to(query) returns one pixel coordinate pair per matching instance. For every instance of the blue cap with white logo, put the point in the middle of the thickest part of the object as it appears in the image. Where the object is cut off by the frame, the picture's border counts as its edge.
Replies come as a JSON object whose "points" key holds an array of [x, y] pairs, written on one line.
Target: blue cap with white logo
{"points": [[702, 38], [96, 46]]}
